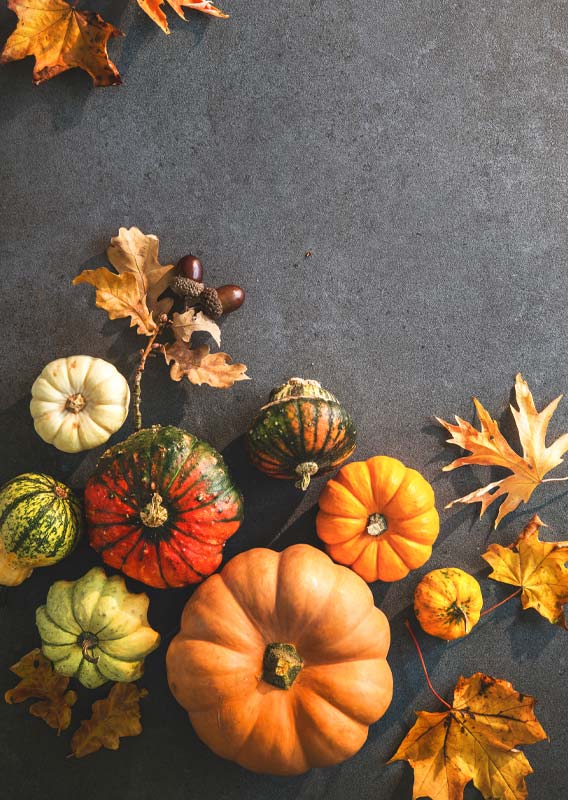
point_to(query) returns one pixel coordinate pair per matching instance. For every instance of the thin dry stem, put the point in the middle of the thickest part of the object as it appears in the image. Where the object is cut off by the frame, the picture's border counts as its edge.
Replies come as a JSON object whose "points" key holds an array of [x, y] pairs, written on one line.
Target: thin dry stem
{"points": [[137, 388], [501, 602], [421, 657]]}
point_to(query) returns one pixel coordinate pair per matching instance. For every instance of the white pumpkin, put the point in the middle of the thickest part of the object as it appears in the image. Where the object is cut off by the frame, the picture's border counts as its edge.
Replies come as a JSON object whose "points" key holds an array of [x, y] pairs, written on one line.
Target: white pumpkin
{"points": [[79, 402]]}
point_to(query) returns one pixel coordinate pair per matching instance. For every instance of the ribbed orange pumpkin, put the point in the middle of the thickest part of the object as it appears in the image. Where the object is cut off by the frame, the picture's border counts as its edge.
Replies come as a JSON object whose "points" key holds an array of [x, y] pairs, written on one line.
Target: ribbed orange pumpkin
{"points": [[378, 517], [281, 661]]}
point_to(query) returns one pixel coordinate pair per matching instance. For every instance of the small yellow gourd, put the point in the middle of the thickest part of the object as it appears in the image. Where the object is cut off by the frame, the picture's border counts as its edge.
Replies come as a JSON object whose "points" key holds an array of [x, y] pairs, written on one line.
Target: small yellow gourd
{"points": [[447, 603], [79, 402]]}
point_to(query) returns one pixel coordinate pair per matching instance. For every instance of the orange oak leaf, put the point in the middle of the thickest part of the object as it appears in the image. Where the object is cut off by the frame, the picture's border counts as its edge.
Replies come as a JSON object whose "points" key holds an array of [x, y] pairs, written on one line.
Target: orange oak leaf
{"points": [[185, 325], [38, 680], [200, 366], [488, 447], [61, 37], [136, 252], [537, 567], [120, 297], [115, 716], [155, 11], [474, 740]]}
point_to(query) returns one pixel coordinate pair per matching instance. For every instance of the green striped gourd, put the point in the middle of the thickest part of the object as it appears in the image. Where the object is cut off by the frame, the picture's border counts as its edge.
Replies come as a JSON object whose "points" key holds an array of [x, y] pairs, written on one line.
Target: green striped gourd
{"points": [[40, 523]]}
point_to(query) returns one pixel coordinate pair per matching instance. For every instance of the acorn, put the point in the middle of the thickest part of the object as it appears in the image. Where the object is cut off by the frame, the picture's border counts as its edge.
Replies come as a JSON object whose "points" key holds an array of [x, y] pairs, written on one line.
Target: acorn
{"points": [[210, 303], [231, 297], [190, 267]]}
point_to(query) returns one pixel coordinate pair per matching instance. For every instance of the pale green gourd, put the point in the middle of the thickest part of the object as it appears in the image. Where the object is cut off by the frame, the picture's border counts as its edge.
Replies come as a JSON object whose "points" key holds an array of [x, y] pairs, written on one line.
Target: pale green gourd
{"points": [[95, 630]]}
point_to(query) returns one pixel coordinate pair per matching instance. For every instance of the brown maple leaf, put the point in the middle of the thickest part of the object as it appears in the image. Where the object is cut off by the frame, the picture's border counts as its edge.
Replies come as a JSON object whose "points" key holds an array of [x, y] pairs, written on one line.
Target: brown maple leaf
{"points": [[185, 325], [154, 10], [200, 366], [474, 740], [137, 253], [61, 37], [537, 567], [119, 296], [115, 716], [488, 447], [38, 680]]}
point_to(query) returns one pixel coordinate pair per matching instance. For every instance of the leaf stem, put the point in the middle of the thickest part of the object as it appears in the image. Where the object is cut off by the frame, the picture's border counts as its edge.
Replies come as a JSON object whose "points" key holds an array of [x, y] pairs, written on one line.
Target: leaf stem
{"points": [[424, 669], [501, 602], [137, 388], [554, 480]]}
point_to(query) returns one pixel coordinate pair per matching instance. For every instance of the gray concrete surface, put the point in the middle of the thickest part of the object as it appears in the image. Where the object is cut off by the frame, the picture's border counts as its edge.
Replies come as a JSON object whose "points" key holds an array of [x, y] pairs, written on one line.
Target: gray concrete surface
{"points": [[419, 150]]}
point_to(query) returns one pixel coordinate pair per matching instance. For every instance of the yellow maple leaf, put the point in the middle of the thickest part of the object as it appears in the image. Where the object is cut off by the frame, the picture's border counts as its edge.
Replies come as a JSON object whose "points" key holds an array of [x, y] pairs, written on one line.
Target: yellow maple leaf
{"points": [[200, 366], [38, 680], [61, 37], [489, 447], [474, 740], [537, 567], [115, 716], [119, 296], [155, 11]]}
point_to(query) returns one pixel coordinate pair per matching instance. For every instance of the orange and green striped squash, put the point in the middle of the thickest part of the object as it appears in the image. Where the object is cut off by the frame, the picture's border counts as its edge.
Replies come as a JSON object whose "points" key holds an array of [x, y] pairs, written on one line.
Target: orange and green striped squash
{"points": [[302, 431]]}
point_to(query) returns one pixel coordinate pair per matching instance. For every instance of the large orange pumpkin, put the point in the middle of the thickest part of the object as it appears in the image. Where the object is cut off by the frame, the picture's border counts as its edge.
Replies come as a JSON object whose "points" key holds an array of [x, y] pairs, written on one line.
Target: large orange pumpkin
{"points": [[378, 517], [281, 661]]}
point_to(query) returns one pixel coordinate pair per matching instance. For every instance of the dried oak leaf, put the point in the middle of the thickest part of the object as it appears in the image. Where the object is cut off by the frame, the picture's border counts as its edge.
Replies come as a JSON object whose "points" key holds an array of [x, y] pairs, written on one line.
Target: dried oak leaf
{"points": [[119, 296], [137, 253], [538, 567], [115, 716], [185, 325], [61, 37], [154, 10], [489, 447], [475, 740], [38, 680], [200, 366]]}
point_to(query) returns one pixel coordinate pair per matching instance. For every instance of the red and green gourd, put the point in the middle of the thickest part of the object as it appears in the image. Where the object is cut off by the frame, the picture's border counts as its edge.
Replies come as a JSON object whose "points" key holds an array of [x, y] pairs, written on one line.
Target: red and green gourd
{"points": [[160, 507], [302, 431]]}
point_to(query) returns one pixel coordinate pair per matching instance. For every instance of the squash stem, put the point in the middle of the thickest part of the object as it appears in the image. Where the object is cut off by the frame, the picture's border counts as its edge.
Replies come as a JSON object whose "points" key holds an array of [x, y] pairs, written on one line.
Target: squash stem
{"points": [[421, 657], [154, 515], [305, 471], [281, 665], [89, 642]]}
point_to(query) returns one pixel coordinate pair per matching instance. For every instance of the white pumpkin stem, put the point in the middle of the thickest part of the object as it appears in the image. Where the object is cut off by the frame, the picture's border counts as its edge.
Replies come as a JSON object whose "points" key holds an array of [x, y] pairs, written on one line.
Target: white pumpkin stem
{"points": [[75, 403]]}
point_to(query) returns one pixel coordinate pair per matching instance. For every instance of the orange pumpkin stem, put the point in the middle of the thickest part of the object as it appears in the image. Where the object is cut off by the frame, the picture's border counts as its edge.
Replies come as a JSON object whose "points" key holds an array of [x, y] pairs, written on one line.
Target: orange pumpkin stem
{"points": [[281, 665], [154, 515], [376, 524]]}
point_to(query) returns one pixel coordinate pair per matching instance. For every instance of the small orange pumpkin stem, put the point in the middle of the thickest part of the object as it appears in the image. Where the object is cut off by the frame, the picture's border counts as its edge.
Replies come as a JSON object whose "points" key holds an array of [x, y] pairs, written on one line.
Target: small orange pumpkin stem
{"points": [[281, 665], [305, 471], [421, 657], [376, 524]]}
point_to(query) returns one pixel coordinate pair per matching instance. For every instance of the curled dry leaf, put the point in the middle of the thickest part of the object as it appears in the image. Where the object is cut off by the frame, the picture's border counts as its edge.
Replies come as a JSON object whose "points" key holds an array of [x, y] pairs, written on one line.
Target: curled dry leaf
{"points": [[200, 366], [537, 567], [185, 325], [61, 37], [155, 11], [119, 296], [475, 740], [38, 680], [115, 716], [489, 447]]}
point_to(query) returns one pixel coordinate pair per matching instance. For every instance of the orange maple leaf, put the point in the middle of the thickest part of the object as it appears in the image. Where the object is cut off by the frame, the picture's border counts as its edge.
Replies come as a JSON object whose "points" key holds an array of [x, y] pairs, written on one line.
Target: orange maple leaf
{"points": [[115, 716], [39, 680], [154, 10], [488, 447], [61, 37], [537, 567], [474, 740]]}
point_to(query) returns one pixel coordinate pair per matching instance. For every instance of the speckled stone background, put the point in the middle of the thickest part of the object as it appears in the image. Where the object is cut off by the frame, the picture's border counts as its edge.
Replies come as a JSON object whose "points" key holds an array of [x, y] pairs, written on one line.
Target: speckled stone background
{"points": [[420, 151]]}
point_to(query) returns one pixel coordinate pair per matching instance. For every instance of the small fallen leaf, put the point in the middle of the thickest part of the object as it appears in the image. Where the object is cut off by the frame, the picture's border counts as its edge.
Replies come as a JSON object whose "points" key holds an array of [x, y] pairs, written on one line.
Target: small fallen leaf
{"points": [[119, 296], [538, 567], [115, 716], [488, 447], [39, 680], [185, 325], [475, 740], [154, 10], [137, 252], [61, 37], [200, 366]]}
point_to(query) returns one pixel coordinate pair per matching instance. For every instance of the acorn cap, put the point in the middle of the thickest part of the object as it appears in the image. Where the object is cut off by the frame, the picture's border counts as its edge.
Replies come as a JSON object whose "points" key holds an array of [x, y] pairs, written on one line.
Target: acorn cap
{"points": [[210, 303]]}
